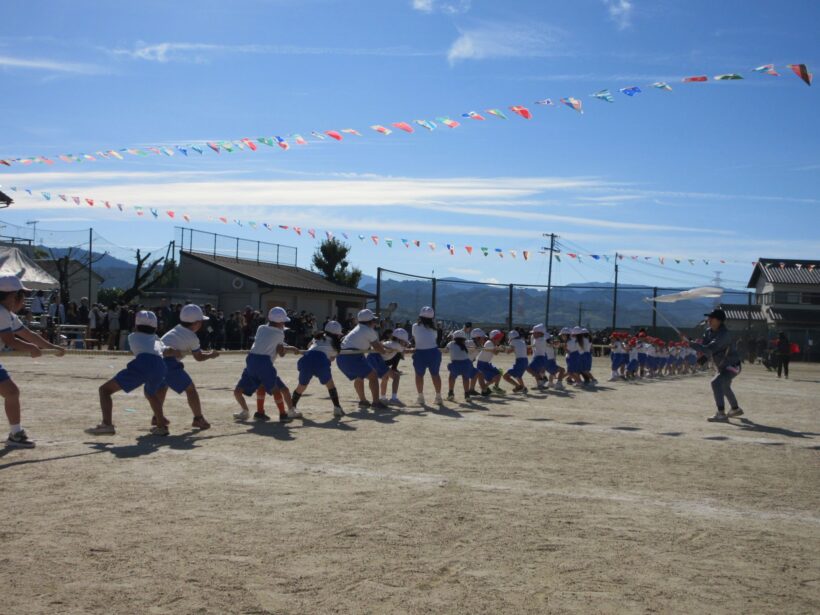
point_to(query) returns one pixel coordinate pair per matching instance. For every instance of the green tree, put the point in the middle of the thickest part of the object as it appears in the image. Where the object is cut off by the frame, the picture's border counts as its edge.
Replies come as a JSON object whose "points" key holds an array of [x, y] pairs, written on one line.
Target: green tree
{"points": [[330, 259], [110, 296]]}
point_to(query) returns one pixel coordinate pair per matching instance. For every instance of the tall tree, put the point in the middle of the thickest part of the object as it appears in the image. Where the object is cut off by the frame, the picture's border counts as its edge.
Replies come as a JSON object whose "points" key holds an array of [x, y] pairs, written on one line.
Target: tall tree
{"points": [[330, 259], [144, 274], [69, 265]]}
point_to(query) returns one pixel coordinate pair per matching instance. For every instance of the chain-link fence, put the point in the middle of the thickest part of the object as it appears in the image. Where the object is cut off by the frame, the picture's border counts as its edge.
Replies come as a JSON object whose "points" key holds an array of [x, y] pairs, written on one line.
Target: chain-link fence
{"points": [[192, 240]]}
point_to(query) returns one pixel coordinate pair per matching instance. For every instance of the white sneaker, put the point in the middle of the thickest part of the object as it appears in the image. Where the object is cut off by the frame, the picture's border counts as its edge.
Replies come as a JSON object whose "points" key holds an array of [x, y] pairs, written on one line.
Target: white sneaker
{"points": [[420, 400], [244, 415], [614, 378], [293, 413], [395, 401], [559, 386], [101, 430], [338, 412], [384, 400], [439, 400]]}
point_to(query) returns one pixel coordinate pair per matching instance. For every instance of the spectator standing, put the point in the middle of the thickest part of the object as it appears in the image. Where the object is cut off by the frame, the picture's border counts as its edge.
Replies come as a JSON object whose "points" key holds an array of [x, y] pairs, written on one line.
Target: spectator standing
{"points": [[784, 350]]}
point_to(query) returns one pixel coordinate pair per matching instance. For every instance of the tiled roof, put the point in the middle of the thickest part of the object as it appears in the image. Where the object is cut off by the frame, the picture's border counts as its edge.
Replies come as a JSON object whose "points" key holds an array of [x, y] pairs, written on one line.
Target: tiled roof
{"points": [[279, 276], [806, 317], [742, 311], [808, 271]]}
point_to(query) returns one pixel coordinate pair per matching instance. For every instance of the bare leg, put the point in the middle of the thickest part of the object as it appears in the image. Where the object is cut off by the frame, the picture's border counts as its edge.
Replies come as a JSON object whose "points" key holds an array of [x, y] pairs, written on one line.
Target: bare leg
{"points": [[395, 387], [420, 384], [156, 406], [373, 381], [106, 403], [358, 386], [11, 395], [240, 399], [436, 383], [193, 400]]}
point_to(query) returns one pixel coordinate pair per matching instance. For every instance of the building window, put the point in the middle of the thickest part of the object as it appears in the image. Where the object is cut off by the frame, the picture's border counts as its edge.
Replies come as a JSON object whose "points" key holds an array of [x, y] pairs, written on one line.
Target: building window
{"points": [[782, 298], [810, 299]]}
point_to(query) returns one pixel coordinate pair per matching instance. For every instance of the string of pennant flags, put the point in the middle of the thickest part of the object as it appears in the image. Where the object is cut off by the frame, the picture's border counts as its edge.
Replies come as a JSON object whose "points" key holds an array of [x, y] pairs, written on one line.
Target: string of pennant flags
{"points": [[284, 142], [157, 213]]}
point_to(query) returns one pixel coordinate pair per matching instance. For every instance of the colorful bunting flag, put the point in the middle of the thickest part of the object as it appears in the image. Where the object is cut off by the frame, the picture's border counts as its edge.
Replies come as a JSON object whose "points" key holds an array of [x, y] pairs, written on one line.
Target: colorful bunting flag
{"points": [[573, 103], [522, 111], [696, 79], [46, 195], [432, 245], [469, 250], [297, 230], [282, 143], [448, 122], [426, 124], [485, 251], [802, 71], [403, 126], [389, 242], [318, 135], [312, 233], [604, 95], [473, 115], [351, 131], [361, 237], [381, 129], [631, 91], [546, 102], [728, 77], [417, 243], [333, 135], [497, 112], [299, 139], [513, 253], [768, 69], [662, 85], [375, 239]]}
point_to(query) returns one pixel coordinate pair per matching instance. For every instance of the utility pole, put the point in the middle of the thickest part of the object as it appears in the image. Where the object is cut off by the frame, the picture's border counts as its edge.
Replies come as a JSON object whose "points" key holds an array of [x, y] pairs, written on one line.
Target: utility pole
{"points": [[33, 223], [90, 260], [615, 296], [552, 250], [580, 312]]}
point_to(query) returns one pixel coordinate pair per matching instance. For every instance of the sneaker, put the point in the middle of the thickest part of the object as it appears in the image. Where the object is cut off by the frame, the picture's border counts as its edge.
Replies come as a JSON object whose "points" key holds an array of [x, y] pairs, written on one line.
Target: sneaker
{"points": [[452, 396], [338, 412], [473, 392], [20, 440], [719, 417], [364, 404], [101, 430], [200, 423], [420, 400], [379, 405], [734, 412], [559, 386], [165, 421], [159, 430], [486, 393], [499, 391], [517, 388], [284, 418], [439, 401], [524, 390], [614, 378], [244, 415], [261, 416], [395, 401], [295, 414]]}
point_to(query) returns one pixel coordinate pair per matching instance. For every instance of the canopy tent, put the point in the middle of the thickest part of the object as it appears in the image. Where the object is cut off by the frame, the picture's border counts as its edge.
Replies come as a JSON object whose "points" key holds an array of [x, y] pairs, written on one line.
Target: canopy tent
{"points": [[14, 262]]}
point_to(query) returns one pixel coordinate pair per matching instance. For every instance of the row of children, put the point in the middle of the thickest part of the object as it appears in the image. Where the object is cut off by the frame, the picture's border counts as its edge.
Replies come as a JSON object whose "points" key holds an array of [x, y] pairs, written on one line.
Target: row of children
{"points": [[642, 356]]}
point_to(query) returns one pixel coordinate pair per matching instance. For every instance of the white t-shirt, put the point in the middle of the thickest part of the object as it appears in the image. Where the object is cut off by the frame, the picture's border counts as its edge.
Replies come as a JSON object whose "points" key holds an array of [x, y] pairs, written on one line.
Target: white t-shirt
{"points": [[37, 306], [519, 347], [650, 350], [425, 338], [325, 346], [145, 343], [360, 338], [550, 352], [633, 354], [267, 341], [182, 339], [456, 353], [539, 346], [9, 320], [618, 348], [393, 348], [93, 318], [487, 354], [472, 350], [572, 345]]}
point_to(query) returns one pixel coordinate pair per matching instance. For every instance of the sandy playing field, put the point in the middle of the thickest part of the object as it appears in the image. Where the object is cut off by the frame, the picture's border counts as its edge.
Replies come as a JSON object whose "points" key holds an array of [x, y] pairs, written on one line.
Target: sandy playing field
{"points": [[622, 499]]}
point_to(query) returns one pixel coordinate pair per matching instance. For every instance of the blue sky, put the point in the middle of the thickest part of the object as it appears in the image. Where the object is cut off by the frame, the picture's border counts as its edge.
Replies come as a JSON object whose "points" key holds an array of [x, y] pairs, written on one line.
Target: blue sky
{"points": [[717, 170]]}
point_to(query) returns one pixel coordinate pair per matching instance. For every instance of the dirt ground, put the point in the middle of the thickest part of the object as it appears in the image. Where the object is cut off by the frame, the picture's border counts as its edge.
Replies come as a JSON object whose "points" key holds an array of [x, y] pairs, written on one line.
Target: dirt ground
{"points": [[621, 499]]}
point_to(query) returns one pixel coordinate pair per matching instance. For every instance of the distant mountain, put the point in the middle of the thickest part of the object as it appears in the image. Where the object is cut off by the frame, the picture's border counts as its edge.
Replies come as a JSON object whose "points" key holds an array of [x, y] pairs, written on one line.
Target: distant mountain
{"points": [[116, 272]]}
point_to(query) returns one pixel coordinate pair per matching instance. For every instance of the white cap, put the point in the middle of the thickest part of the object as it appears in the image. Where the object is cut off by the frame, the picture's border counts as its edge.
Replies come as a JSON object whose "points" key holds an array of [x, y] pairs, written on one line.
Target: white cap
{"points": [[365, 316], [477, 333], [576, 330], [565, 331], [401, 334], [539, 329], [192, 313], [584, 330], [427, 312], [11, 284], [513, 335], [278, 314], [146, 319], [495, 333], [333, 327], [459, 335]]}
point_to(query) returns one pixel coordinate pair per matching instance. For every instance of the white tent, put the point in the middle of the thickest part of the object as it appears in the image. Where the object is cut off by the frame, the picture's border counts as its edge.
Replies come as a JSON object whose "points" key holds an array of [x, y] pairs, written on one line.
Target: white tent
{"points": [[14, 262]]}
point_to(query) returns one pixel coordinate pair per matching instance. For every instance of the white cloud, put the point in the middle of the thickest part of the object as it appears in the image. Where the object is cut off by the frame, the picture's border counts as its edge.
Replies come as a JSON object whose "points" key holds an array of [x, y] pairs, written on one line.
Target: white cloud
{"points": [[201, 52], [464, 271], [495, 40], [620, 11], [448, 7], [490, 281], [54, 66]]}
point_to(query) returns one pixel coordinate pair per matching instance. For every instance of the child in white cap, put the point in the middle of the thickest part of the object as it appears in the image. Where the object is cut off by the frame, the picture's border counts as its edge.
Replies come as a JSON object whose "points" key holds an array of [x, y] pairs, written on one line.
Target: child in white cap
{"points": [[514, 375], [553, 369], [183, 338], [474, 346], [484, 364], [538, 344], [268, 344], [146, 369], [460, 366], [427, 356], [353, 364], [18, 337], [316, 363], [394, 350]]}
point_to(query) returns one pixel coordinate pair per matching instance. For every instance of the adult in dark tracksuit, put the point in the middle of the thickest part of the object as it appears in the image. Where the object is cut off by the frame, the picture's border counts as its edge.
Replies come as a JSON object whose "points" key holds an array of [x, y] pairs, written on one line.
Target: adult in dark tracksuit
{"points": [[718, 345], [784, 350]]}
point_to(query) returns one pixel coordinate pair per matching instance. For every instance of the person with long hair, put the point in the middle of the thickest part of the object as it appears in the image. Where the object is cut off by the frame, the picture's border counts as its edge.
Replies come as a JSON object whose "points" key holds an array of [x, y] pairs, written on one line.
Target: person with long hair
{"points": [[426, 356]]}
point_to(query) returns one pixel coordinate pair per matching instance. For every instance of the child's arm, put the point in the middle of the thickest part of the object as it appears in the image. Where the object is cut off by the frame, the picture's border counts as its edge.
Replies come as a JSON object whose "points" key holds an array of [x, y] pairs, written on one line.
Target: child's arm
{"points": [[15, 343], [171, 352], [31, 337], [204, 356]]}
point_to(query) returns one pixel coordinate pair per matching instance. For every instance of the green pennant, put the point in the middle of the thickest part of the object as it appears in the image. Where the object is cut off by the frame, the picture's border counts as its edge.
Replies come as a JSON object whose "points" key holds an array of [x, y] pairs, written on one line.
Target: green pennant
{"points": [[485, 251], [389, 243]]}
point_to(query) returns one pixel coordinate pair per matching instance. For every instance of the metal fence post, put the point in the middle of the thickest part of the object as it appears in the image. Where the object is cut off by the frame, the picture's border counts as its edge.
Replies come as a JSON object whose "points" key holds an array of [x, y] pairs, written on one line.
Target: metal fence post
{"points": [[510, 310], [379, 292], [654, 312], [434, 294]]}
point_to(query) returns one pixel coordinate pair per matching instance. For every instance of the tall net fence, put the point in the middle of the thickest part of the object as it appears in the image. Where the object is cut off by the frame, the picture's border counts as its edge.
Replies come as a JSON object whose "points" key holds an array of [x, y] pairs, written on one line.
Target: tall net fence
{"points": [[192, 240], [400, 295]]}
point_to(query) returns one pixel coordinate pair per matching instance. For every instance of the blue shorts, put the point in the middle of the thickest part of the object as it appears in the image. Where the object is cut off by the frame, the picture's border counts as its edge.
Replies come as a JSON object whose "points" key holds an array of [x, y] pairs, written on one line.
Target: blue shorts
{"points": [[463, 368], [144, 369], [314, 363], [642, 359], [427, 359], [552, 367], [259, 371], [586, 362], [376, 361], [574, 362], [4, 375], [632, 366], [691, 359], [176, 378], [488, 370], [354, 366], [538, 363], [518, 368]]}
